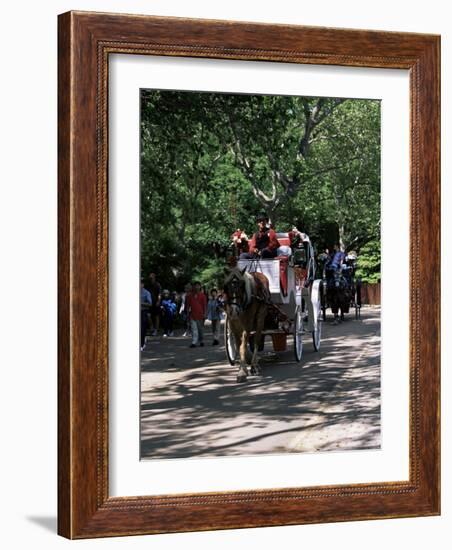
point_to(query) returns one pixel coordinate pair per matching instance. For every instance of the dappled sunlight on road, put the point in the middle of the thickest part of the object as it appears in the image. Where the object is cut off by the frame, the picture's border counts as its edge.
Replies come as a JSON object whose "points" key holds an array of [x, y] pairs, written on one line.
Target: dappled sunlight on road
{"points": [[193, 406]]}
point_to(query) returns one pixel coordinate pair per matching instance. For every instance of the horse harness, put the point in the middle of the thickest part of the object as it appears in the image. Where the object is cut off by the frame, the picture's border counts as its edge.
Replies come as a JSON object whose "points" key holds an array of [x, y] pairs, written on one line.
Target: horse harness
{"points": [[260, 294]]}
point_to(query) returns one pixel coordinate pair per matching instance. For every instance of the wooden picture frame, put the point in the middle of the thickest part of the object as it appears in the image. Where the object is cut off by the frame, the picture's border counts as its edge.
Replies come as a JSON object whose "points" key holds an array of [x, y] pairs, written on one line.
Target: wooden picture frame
{"points": [[85, 42]]}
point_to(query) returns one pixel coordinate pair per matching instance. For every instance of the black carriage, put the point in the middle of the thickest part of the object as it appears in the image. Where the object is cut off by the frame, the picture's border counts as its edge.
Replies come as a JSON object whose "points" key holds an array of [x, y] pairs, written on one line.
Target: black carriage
{"points": [[341, 288]]}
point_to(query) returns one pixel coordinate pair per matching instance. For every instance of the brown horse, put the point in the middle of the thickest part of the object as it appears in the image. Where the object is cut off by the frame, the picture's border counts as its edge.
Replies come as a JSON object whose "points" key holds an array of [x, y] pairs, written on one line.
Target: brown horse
{"points": [[247, 299]]}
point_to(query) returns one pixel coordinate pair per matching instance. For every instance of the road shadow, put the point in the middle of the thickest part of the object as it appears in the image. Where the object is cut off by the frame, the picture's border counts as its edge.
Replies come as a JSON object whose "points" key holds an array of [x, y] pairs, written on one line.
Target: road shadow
{"points": [[192, 405]]}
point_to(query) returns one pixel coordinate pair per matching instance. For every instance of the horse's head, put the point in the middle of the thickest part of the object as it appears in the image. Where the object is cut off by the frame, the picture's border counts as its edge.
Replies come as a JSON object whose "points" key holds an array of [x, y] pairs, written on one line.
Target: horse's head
{"points": [[235, 290], [337, 278]]}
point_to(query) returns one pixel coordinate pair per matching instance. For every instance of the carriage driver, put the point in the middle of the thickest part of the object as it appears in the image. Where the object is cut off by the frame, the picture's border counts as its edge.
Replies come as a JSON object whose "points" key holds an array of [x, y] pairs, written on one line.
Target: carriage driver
{"points": [[264, 243], [337, 257]]}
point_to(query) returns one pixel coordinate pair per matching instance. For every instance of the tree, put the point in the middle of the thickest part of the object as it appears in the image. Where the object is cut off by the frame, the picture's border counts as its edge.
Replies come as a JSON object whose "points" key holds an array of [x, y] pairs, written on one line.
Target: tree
{"points": [[346, 173], [210, 161], [369, 262], [271, 137]]}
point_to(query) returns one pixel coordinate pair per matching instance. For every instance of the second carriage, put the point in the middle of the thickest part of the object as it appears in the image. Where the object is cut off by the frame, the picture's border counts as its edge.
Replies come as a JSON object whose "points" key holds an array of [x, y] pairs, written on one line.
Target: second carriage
{"points": [[341, 288], [295, 298]]}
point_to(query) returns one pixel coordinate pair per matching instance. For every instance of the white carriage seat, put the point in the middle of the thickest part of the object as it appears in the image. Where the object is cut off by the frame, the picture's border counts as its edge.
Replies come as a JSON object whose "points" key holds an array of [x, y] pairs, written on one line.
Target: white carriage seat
{"points": [[284, 250], [270, 268], [284, 242], [274, 269]]}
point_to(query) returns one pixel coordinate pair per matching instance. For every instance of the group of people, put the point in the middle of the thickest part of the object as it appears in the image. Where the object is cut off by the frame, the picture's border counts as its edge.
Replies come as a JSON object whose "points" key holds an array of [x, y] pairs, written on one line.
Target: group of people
{"points": [[198, 307], [191, 308], [264, 242]]}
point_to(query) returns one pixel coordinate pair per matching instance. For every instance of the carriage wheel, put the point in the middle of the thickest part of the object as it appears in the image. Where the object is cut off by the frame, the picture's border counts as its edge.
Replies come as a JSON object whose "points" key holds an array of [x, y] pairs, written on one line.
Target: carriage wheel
{"points": [[323, 300], [229, 342], [298, 334], [358, 300], [317, 334]]}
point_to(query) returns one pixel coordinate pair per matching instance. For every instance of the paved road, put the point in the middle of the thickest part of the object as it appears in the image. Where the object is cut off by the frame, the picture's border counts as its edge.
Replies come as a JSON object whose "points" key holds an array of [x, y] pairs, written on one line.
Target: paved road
{"points": [[192, 405]]}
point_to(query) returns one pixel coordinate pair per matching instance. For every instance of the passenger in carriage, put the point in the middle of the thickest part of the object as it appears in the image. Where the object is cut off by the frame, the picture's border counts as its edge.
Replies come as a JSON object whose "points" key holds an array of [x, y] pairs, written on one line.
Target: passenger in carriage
{"points": [[296, 235], [263, 243], [240, 241], [296, 240]]}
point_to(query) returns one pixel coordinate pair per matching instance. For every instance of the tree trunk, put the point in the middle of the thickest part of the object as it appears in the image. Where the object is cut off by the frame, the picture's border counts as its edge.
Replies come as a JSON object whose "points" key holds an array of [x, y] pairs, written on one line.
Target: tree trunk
{"points": [[341, 236]]}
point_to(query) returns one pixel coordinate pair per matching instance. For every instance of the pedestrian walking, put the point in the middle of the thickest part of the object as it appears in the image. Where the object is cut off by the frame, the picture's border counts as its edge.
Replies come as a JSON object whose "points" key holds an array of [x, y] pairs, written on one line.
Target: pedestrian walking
{"points": [[145, 305], [155, 289], [168, 312], [214, 315], [183, 310], [197, 310]]}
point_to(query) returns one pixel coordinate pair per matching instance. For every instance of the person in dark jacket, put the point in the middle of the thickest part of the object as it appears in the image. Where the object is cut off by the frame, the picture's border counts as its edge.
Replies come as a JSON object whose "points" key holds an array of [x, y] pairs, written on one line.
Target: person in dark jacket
{"points": [[146, 304], [337, 258], [168, 311], [155, 289], [214, 315]]}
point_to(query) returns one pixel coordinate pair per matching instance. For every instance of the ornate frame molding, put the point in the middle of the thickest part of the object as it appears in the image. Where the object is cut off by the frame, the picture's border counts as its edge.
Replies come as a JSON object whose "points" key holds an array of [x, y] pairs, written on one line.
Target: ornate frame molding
{"points": [[85, 42]]}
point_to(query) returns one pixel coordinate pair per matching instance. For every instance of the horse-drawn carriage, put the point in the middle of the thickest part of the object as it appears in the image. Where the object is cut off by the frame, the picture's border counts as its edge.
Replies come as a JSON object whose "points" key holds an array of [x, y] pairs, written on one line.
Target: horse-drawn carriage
{"points": [[341, 289], [292, 301]]}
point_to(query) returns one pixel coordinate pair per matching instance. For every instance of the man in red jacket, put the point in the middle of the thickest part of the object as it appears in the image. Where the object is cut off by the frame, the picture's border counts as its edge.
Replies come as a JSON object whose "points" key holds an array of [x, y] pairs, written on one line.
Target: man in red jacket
{"points": [[264, 243], [196, 303]]}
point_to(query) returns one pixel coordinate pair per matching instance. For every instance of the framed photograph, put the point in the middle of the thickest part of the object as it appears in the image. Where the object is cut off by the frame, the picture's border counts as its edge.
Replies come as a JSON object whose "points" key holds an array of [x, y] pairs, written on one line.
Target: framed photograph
{"points": [[249, 258]]}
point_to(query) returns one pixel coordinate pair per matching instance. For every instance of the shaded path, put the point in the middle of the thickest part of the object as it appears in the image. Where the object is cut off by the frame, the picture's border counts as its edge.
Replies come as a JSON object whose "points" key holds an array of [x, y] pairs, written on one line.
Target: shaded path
{"points": [[192, 405]]}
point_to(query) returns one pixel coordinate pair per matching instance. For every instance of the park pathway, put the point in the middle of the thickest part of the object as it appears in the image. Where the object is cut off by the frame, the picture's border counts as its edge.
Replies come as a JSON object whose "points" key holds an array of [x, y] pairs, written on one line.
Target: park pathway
{"points": [[192, 406]]}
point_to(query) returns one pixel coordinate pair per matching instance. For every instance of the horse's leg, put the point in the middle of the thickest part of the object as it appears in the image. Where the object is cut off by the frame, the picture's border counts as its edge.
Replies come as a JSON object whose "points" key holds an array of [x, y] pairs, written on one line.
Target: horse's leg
{"points": [[243, 371], [335, 306], [255, 369], [343, 304]]}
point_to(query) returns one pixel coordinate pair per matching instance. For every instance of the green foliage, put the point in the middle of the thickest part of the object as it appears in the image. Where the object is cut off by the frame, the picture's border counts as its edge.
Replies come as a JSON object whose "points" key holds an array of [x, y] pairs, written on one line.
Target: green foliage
{"points": [[210, 161], [211, 274], [369, 262]]}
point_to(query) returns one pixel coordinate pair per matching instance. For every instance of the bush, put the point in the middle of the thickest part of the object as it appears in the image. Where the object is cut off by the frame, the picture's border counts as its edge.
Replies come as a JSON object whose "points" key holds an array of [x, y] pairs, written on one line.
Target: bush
{"points": [[369, 262]]}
